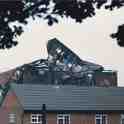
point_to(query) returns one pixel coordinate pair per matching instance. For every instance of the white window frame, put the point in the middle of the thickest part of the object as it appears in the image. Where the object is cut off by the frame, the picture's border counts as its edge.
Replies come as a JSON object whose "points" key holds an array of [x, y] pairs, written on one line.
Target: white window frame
{"points": [[36, 116], [101, 118], [122, 118], [62, 117], [12, 118]]}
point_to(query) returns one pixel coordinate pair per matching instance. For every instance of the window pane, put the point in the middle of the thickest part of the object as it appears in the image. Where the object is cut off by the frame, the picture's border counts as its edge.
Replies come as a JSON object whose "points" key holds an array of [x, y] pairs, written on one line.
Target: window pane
{"points": [[122, 118], [122, 121], [60, 121], [63, 119], [97, 121], [97, 115], [101, 119], [40, 119], [36, 119], [60, 116], [104, 120], [34, 116], [66, 119]]}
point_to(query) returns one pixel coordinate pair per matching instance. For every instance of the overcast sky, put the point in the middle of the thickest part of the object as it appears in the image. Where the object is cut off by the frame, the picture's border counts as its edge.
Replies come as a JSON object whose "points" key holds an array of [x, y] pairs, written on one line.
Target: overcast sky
{"points": [[90, 40]]}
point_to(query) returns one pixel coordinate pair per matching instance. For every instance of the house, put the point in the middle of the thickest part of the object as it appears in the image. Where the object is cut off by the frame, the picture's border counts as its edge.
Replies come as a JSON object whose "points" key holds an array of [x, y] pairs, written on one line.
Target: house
{"points": [[60, 83], [65, 104]]}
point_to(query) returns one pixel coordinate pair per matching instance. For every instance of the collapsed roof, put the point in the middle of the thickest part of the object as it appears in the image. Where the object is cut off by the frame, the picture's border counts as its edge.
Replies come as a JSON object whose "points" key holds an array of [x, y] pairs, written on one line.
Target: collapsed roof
{"points": [[61, 67], [58, 52]]}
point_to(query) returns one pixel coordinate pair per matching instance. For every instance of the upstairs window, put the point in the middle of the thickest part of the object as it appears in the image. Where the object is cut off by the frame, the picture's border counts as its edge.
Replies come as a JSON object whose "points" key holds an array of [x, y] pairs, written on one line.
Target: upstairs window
{"points": [[122, 118], [36, 118], [101, 119], [63, 119]]}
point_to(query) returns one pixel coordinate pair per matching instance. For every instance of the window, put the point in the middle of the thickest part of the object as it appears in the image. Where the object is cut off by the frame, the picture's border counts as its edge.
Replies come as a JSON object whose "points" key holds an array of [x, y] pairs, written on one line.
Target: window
{"points": [[12, 118], [36, 118], [101, 119], [63, 119], [122, 119]]}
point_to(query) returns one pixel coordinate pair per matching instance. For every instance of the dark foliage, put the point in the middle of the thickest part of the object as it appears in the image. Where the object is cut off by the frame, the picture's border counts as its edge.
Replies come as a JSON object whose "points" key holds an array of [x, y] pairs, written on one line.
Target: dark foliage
{"points": [[12, 11], [119, 35]]}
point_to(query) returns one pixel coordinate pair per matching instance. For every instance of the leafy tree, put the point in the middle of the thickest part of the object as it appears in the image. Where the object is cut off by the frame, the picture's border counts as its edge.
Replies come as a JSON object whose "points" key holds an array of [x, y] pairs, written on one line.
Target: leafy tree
{"points": [[119, 35], [12, 11]]}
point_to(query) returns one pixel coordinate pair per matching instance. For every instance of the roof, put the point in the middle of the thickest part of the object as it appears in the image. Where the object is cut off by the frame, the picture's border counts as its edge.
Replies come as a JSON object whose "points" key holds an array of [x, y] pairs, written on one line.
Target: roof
{"points": [[62, 65], [69, 98], [40, 72], [54, 44]]}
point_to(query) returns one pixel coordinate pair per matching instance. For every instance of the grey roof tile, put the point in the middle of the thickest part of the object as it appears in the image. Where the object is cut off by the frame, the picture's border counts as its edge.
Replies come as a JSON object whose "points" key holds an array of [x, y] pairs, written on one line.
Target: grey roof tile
{"points": [[70, 97]]}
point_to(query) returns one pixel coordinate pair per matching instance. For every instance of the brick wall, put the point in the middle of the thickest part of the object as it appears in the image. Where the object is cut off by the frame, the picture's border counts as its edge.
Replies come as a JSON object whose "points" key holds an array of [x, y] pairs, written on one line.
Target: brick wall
{"points": [[11, 105], [76, 118], [114, 118], [84, 118], [107, 78]]}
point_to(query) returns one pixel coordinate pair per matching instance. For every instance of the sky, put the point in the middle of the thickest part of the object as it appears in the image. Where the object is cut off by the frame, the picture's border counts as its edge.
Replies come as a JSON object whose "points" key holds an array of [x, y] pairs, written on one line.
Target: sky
{"points": [[90, 40]]}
